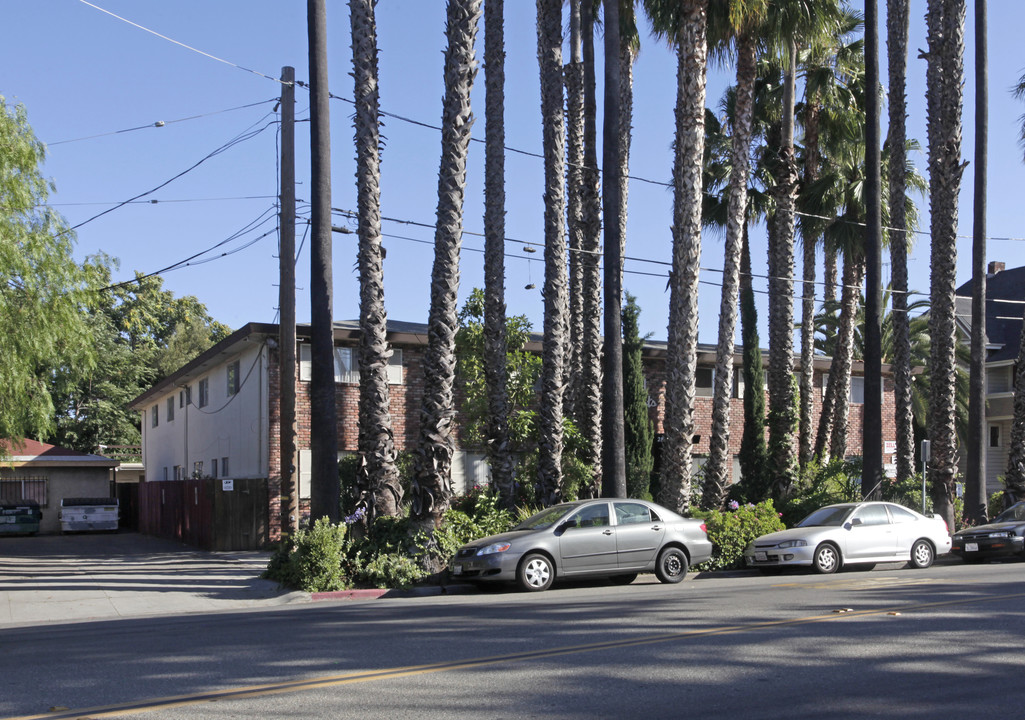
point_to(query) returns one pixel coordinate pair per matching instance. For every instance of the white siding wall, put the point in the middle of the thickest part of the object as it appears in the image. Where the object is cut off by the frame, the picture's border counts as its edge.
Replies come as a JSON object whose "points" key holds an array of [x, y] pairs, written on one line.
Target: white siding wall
{"points": [[233, 427]]}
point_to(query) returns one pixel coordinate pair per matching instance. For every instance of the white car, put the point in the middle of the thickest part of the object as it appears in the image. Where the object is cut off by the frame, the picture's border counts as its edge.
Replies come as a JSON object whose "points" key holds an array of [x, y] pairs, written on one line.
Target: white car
{"points": [[850, 534]]}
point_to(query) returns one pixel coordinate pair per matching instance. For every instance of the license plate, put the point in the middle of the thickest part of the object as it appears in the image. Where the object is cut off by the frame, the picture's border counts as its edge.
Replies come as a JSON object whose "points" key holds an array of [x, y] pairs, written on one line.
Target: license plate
{"points": [[457, 569], [971, 547], [761, 556]]}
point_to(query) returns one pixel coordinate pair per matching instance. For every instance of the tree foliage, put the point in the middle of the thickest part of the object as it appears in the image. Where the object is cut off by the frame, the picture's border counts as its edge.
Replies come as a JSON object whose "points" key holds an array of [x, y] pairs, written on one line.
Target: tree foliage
{"points": [[638, 431], [44, 293]]}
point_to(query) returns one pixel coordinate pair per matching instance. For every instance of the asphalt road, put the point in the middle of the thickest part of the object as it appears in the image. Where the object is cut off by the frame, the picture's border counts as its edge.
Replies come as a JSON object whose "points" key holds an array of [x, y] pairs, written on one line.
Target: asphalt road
{"points": [[893, 643]]}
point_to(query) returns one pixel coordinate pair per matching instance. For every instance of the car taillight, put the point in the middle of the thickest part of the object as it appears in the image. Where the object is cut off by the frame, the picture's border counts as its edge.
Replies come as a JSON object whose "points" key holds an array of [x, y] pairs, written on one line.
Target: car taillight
{"points": [[704, 528]]}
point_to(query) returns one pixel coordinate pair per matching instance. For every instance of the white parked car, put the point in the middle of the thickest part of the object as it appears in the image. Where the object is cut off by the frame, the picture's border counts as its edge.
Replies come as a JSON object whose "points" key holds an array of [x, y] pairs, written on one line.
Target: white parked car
{"points": [[853, 533]]}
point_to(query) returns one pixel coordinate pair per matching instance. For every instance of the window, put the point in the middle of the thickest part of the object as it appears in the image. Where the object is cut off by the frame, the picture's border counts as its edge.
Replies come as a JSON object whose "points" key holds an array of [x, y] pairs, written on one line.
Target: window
{"points": [[233, 378], [197, 469], [858, 390], [213, 468], [593, 516], [224, 467], [900, 515], [703, 381], [204, 392], [155, 416], [631, 513], [185, 396], [170, 409], [305, 362], [346, 365], [13, 489], [994, 436], [395, 368], [873, 515]]}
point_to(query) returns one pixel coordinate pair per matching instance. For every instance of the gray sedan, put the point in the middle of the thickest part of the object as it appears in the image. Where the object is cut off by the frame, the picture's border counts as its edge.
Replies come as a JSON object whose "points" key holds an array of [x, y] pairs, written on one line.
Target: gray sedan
{"points": [[851, 534], [612, 538]]}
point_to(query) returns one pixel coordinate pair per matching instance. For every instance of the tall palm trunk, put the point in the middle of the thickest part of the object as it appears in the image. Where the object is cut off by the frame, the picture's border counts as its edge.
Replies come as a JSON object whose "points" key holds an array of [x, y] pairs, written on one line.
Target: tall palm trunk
{"points": [[378, 477], [613, 429], [944, 78], [717, 468], [574, 78], [495, 342], [549, 53], [782, 413], [843, 358], [681, 364], [432, 479], [811, 235], [897, 51], [589, 398]]}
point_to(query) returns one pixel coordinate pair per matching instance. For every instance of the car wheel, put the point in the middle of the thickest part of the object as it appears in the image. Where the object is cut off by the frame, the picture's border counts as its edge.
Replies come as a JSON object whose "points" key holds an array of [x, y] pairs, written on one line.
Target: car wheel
{"points": [[624, 579], [671, 566], [921, 554], [827, 559], [536, 573]]}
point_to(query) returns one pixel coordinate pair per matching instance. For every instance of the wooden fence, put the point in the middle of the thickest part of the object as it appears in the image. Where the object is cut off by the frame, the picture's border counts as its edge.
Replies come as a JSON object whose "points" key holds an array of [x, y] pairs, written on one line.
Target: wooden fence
{"points": [[203, 514]]}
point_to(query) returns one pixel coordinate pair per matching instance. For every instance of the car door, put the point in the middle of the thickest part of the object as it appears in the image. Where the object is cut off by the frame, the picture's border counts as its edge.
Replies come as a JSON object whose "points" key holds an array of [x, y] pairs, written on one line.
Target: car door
{"points": [[639, 533], [907, 528], [871, 536], [588, 541]]}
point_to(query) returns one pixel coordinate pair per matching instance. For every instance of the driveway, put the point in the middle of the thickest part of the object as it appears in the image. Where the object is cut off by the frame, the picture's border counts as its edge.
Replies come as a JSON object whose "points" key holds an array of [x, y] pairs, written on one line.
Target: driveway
{"points": [[68, 578]]}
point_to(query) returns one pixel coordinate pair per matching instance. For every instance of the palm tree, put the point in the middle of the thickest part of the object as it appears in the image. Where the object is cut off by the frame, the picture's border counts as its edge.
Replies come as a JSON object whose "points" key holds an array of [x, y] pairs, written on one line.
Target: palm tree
{"points": [[378, 477], [737, 29], [556, 335], [432, 475], [897, 55], [684, 23], [944, 101], [495, 341], [574, 78]]}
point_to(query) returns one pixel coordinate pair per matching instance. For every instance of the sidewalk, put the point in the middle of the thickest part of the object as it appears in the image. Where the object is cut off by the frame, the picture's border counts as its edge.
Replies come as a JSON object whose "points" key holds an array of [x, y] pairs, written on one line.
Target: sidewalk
{"points": [[70, 578]]}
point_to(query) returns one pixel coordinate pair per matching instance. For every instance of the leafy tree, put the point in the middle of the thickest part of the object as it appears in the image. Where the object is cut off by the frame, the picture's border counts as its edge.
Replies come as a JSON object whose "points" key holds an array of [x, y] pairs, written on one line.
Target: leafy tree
{"points": [[638, 431], [44, 293]]}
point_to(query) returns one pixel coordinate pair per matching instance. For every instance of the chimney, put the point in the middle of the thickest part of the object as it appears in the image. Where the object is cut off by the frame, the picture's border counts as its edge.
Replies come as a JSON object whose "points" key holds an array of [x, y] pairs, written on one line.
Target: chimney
{"points": [[995, 267]]}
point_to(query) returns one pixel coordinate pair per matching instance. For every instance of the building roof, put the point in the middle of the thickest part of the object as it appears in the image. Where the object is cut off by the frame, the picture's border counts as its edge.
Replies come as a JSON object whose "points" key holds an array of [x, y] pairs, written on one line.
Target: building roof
{"points": [[40, 454], [1003, 319]]}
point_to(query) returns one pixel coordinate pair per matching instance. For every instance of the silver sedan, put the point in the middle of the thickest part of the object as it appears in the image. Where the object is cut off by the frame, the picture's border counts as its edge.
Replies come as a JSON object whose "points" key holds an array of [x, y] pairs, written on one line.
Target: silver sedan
{"points": [[611, 538], [851, 534]]}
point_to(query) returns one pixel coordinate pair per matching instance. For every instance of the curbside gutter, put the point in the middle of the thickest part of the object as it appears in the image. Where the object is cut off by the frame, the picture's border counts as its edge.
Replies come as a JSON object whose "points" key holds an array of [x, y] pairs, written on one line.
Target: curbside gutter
{"points": [[375, 593]]}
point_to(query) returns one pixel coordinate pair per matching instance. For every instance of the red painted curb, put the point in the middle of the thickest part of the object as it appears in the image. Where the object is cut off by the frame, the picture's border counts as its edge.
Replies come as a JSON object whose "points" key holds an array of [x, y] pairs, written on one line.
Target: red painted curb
{"points": [[349, 594]]}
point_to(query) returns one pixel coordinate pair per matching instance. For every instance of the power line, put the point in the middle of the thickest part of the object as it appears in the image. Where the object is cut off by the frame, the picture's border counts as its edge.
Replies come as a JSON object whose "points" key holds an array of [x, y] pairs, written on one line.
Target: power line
{"points": [[160, 123], [163, 202], [176, 42]]}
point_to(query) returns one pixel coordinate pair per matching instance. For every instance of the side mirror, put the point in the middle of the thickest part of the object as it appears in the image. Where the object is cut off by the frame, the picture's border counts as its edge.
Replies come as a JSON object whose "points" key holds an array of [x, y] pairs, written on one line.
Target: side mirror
{"points": [[563, 527], [854, 523]]}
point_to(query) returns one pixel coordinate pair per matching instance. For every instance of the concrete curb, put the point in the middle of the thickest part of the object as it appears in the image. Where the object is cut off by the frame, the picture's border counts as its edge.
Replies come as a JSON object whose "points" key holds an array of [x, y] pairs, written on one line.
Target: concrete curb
{"points": [[375, 593]]}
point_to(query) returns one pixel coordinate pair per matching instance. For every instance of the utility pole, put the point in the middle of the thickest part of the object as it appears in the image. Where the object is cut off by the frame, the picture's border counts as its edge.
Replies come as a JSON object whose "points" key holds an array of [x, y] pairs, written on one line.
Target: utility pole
{"points": [[872, 423], [286, 308], [325, 490]]}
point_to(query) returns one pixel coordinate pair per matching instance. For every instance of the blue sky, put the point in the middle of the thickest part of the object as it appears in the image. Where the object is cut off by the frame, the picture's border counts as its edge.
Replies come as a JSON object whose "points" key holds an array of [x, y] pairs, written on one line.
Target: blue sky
{"points": [[82, 73]]}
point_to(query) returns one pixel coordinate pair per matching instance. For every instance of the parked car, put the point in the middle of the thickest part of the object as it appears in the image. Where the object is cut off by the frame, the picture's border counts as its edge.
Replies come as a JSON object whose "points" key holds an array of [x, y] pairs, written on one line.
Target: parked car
{"points": [[851, 534], [612, 538], [1004, 535]]}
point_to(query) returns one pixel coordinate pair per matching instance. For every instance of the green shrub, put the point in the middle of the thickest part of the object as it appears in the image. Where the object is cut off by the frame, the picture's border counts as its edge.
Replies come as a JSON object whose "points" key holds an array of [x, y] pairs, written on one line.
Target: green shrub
{"points": [[733, 529], [312, 560]]}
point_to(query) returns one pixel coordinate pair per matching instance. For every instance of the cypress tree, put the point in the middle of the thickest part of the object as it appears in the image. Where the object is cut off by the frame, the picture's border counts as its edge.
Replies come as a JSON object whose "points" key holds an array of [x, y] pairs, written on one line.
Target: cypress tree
{"points": [[637, 422], [753, 451]]}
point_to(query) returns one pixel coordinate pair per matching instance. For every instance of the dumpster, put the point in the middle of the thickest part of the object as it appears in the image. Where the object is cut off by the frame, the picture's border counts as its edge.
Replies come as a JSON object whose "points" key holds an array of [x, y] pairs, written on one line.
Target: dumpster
{"points": [[20, 517], [82, 514]]}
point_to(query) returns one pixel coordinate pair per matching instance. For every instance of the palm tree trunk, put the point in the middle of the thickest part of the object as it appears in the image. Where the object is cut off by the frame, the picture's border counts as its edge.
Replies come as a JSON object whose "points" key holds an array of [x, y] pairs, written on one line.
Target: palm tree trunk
{"points": [[495, 342], [811, 235], [549, 52], [574, 77], [782, 413], [944, 78], [719, 463], [840, 369], [432, 478], [589, 397], [681, 363], [378, 478], [897, 50], [613, 429]]}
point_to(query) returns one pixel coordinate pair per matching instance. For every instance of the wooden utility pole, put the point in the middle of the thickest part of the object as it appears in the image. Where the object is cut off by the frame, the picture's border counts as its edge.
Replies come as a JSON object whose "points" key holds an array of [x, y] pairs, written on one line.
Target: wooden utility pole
{"points": [[286, 307], [325, 490], [872, 424]]}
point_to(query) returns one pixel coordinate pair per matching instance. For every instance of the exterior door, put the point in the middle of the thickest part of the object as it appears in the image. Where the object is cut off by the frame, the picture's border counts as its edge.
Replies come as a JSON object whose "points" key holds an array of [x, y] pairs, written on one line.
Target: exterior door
{"points": [[638, 534], [588, 544], [873, 537]]}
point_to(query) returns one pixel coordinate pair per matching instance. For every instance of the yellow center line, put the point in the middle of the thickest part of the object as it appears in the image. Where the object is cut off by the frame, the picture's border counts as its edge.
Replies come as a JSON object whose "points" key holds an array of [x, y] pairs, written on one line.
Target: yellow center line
{"points": [[254, 691]]}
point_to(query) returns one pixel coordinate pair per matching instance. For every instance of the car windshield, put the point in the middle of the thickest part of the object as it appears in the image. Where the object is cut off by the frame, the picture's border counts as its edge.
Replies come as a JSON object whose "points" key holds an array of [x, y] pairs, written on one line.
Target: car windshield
{"points": [[546, 518], [832, 516], [1011, 514]]}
